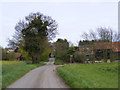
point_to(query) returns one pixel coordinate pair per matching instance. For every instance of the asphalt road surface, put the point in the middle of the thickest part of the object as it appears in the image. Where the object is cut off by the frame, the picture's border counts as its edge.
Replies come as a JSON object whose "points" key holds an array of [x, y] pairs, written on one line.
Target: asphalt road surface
{"points": [[41, 77]]}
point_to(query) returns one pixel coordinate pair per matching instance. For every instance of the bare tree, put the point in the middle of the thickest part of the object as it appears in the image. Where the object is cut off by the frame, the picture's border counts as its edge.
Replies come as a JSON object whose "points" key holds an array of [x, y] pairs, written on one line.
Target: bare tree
{"points": [[85, 36], [93, 35], [102, 34], [116, 37]]}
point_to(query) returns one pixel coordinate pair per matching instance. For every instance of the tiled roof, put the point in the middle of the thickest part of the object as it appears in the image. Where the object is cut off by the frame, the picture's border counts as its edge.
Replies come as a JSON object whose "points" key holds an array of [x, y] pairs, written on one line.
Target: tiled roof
{"points": [[115, 46], [103, 45]]}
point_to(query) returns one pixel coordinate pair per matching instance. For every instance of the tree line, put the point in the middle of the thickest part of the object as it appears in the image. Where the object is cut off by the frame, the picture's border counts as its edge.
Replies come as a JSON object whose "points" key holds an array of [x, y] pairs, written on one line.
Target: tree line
{"points": [[33, 35]]}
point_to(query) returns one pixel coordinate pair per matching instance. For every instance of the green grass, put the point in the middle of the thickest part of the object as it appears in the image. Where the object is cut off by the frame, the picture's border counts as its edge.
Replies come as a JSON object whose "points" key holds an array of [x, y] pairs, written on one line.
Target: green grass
{"points": [[13, 70], [102, 75]]}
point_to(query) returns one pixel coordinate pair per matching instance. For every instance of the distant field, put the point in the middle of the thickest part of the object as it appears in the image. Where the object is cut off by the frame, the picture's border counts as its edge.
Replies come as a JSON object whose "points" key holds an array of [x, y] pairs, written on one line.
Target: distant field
{"points": [[102, 75], [13, 70]]}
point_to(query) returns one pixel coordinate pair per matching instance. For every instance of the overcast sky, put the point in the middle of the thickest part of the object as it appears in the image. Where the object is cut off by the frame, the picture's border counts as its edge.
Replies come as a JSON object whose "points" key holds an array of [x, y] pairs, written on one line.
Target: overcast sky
{"points": [[73, 18]]}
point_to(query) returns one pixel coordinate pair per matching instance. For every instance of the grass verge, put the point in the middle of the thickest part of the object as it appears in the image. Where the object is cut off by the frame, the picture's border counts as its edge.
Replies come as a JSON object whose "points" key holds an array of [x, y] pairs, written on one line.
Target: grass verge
{"points": [[13, 70], [102, 75]]}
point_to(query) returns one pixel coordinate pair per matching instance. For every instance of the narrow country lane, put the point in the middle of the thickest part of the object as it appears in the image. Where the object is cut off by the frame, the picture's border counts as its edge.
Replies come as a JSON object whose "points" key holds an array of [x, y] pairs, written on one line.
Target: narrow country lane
{"points": [[41, 77]]}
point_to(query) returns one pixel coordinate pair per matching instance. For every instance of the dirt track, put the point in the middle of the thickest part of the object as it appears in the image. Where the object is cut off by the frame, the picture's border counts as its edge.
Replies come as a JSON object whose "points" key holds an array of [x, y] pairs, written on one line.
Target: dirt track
{"points": [[41, 77]]}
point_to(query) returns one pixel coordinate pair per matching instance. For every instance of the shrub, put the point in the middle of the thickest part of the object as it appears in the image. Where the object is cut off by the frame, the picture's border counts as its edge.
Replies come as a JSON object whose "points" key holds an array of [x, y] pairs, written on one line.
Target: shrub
{"points": [[8, 56], [79, 57]]}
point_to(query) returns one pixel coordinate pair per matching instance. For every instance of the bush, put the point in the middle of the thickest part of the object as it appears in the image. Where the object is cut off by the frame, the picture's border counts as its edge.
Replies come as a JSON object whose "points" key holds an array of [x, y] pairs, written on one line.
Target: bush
{"points": [[45, 55], [25, 54], [79, 57], [59, 62], [8, 56]]}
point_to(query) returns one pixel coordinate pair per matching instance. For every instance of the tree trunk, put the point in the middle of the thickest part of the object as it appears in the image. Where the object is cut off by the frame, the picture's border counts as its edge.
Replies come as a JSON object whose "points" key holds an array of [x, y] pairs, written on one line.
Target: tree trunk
{"points": [[33, 60]]}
